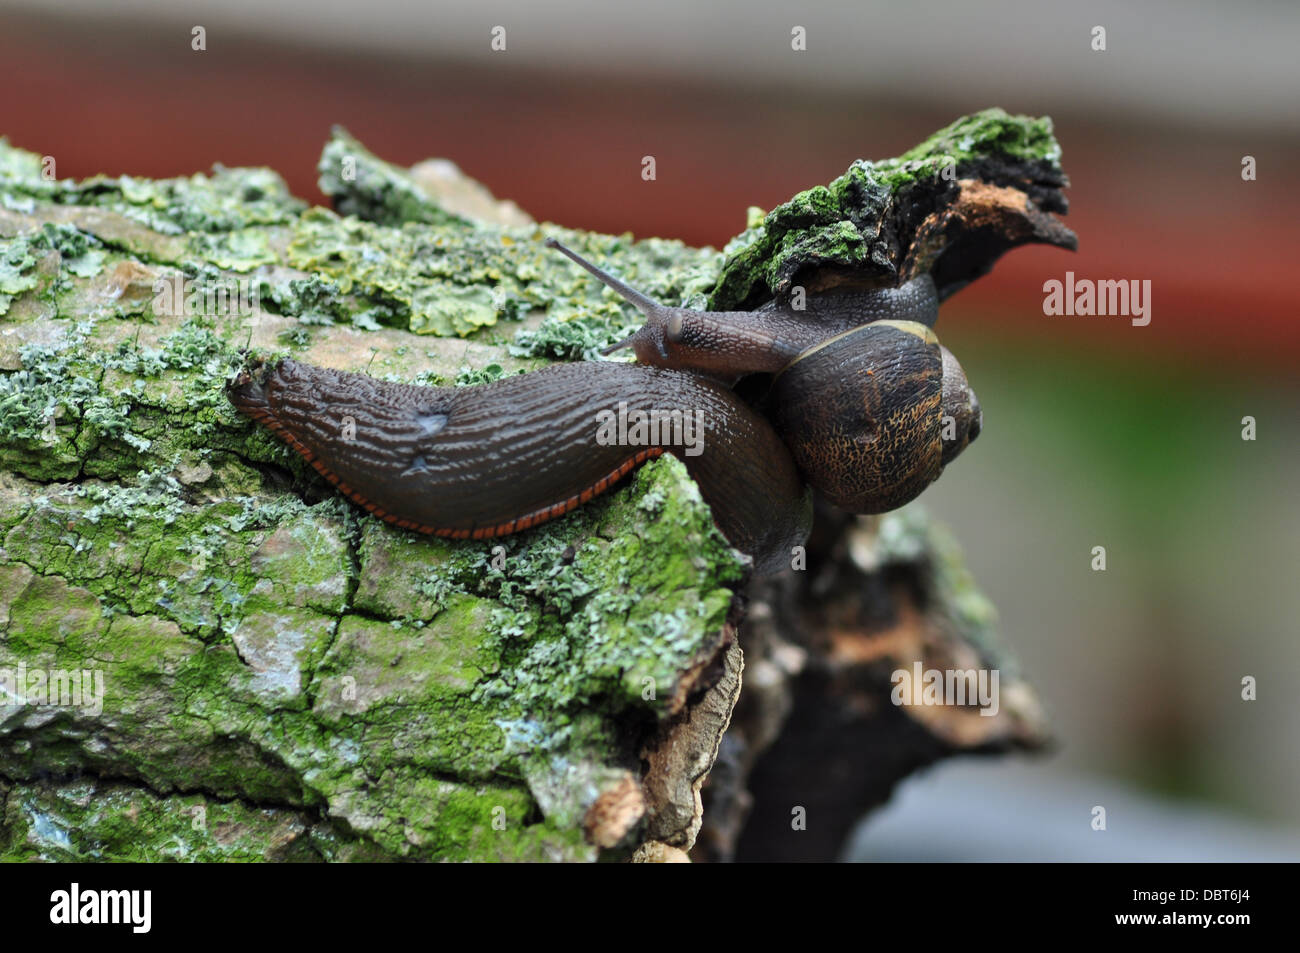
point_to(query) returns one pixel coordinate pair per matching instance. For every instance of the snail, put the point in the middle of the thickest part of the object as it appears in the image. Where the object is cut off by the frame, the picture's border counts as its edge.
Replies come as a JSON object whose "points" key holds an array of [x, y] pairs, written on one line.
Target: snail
{"points": [[865, 407]]}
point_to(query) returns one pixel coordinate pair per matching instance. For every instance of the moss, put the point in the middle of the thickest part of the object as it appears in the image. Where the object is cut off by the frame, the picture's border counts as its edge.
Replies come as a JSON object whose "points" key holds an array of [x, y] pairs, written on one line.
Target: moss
{"points": [[836, 224], [92, 820], [239, 669], [988, 133]]}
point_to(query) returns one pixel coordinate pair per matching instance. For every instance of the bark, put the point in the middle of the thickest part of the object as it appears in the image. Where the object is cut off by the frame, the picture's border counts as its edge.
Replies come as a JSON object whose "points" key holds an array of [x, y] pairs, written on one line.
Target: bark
{"points": [[270, 674]]}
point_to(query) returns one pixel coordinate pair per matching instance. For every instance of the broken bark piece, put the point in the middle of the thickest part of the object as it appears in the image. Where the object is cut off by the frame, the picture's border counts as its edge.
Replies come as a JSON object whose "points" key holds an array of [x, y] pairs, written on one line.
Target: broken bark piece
{"points": [[823, 736], [952, 206]]}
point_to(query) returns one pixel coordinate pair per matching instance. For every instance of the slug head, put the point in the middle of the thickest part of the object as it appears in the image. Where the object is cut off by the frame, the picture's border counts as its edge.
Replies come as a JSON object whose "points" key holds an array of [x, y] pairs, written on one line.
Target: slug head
{"points": [[725, 345], [658, 342]]}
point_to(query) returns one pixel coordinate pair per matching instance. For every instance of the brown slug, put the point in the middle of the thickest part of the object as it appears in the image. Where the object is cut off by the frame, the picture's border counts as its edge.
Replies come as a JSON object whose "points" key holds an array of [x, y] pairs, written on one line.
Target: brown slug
{"points": [[868, 406]]}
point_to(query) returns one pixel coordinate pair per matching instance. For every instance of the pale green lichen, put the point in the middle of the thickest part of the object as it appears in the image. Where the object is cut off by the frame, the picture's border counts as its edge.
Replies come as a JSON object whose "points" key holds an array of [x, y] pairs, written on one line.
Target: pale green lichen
{"points": [[80, 254], [17, 271], [225, 201], [241, 250]]}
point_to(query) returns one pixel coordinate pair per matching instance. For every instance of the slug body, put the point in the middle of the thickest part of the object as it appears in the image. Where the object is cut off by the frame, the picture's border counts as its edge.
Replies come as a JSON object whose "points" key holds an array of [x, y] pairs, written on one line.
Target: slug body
{"points": [[865, 406], [479, 462]]}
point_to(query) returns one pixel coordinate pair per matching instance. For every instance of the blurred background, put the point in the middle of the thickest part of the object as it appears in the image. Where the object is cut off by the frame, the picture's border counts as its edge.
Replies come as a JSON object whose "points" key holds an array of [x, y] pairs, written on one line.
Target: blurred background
{"points": [[1096, 432]]}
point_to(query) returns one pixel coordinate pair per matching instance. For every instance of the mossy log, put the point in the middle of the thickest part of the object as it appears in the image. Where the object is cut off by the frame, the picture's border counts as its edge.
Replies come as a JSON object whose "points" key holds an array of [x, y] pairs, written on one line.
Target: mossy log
{"points": [[264, 672]]}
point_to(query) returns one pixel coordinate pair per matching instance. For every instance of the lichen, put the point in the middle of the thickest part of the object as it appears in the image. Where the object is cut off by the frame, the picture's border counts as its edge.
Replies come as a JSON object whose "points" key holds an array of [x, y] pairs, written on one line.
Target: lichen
{"points": [[225, 201], [365, 186]]}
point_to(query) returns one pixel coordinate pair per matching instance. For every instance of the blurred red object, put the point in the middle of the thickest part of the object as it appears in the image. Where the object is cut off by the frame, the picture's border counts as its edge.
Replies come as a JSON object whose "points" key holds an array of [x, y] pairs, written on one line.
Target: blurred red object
{"points": [[1167, 205]]}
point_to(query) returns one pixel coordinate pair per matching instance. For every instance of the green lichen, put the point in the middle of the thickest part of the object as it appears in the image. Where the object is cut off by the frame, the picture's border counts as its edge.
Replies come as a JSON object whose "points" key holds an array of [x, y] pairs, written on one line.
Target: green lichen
{"points": [[429, 272], [240, 250], [586, 317], [312, 300], [79, 254], [412, 278], [471, 376], [365, 186], [74, 409]]}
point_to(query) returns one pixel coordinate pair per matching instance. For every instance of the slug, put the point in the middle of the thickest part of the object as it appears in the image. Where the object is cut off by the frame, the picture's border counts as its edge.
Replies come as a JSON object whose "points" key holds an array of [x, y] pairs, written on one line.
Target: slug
{"points": [[865, 407], [479, 462]]}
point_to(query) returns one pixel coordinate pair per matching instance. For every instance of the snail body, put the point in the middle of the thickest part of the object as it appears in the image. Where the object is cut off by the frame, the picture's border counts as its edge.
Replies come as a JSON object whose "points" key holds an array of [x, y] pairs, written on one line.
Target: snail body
{"points": [[874, 446], [859, 412]]}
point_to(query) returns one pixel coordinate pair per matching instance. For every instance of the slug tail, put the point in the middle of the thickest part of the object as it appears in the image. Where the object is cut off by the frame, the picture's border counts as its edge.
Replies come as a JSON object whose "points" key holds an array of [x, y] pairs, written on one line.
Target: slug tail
{"points": [[245, 390]]}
